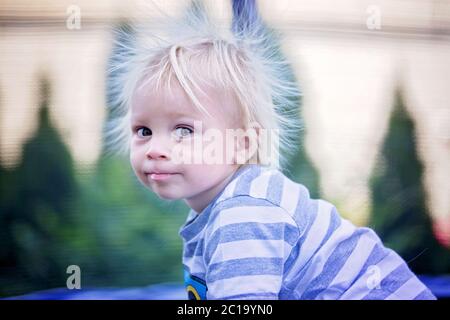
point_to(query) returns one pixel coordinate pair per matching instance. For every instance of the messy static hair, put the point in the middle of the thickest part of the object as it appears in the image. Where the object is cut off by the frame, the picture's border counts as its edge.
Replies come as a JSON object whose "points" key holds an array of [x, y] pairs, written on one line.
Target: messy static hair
{"points": [[196, 52]]}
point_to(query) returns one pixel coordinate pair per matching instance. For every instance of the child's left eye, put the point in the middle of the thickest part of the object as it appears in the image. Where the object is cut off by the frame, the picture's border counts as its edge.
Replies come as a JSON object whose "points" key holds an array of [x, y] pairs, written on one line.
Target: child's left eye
{"points": [[182, 132]]}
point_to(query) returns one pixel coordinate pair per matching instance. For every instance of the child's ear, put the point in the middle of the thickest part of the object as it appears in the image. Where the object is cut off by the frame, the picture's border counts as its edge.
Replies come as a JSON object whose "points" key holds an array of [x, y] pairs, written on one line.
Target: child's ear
{"points": [[247, 144]]}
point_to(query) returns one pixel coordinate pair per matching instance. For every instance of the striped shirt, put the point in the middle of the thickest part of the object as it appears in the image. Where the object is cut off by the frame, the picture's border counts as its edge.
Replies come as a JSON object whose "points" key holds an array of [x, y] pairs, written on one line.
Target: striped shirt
{"points": [[263, 237]]}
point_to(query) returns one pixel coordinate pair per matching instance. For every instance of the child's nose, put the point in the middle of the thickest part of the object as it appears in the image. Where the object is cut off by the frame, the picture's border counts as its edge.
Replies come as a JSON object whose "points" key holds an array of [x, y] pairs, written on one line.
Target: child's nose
{"points": [[158, 150]]}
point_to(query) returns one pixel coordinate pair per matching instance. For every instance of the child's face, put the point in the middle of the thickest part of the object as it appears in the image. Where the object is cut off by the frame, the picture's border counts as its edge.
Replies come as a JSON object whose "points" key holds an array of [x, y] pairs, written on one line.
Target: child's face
{"points": [[166, 121]]}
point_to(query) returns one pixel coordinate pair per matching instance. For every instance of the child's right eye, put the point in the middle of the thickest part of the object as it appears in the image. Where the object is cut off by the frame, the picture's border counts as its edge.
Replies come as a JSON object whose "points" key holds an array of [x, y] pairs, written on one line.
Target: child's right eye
{"points": [[143, 132]]}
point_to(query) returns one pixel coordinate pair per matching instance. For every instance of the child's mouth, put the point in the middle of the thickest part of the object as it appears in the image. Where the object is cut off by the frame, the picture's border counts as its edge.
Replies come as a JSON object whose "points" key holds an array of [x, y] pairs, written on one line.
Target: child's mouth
{"points": [[160, 176]]}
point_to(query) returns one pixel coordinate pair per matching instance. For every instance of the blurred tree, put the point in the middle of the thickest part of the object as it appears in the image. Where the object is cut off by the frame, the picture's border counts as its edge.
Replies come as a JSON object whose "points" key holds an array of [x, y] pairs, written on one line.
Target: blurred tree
{"points": [[304, 172], [101, 219], [35, 201], [136, 232], [46, 173], [125, 235], [8, 249], [399, 214]]}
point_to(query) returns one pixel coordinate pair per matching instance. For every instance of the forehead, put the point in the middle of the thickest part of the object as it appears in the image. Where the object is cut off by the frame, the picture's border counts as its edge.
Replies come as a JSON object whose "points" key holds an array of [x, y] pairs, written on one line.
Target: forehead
{"points": [[172, 100]]}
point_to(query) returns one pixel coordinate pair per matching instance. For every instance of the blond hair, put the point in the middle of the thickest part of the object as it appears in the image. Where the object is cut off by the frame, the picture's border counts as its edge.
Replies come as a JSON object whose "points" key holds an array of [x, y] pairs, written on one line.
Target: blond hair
{"points": [[197, 52]]}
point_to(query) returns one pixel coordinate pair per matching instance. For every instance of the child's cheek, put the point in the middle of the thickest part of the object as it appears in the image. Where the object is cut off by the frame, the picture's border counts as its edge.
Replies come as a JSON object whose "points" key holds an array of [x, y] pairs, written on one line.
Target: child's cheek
{"points": [[136, 164], [133, 159]]}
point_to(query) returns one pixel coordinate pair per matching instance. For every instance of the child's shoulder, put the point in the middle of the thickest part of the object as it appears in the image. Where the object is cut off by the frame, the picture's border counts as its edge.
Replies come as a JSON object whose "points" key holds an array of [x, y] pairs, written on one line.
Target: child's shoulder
{"points": [[262, 195], [255, 182], [267, 191], [249, 209]]}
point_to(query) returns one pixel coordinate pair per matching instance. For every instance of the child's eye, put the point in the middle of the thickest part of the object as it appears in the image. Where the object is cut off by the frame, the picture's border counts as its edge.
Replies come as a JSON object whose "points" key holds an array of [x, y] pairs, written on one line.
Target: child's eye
{"points": [[143, 132], [183, 132]]}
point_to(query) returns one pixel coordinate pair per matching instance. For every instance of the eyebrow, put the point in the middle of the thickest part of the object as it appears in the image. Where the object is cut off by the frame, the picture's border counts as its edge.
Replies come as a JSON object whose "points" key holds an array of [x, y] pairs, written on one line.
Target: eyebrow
{"points": [[176, 116], [180, 114]]}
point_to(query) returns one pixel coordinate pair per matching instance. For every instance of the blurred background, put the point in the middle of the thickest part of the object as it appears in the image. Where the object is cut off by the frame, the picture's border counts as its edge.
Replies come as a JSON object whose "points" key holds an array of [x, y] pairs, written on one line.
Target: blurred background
{"points": [[375, 77]]}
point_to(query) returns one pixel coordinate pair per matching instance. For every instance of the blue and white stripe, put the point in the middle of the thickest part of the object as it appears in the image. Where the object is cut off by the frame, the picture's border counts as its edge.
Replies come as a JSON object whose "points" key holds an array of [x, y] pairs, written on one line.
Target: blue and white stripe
{"points": [[263, 237]]}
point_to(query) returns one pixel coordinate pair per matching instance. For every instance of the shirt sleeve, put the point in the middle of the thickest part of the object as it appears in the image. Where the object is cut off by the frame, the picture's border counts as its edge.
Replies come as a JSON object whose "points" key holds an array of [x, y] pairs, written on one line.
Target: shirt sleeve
{"points": [[247, 243]]}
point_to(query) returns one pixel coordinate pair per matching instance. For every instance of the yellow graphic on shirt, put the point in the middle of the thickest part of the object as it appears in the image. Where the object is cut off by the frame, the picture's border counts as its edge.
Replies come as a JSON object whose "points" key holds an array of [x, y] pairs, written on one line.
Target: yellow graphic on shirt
{"points": [[191, 289]]}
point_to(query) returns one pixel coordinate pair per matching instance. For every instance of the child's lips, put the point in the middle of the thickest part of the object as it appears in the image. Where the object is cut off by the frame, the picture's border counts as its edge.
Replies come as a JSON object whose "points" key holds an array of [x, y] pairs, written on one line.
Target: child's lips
{"points": [[159, 176]]}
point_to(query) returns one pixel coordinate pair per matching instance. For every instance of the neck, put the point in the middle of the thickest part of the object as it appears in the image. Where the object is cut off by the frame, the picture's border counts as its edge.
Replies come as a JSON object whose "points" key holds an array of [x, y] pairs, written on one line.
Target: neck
{"points": [[200, 201]]}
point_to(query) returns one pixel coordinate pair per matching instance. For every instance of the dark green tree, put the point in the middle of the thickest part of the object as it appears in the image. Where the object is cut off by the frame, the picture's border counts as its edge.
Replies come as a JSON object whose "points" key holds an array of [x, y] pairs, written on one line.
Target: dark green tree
{"points": [[37, 202], [46, 172], [302, 170], [399, 215], [8, 250], [124, 235]]}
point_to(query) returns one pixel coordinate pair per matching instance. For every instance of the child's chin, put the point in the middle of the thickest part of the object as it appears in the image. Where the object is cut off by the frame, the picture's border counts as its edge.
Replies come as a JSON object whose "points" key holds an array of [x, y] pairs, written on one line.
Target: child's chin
{"points": [[168, 196]]}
